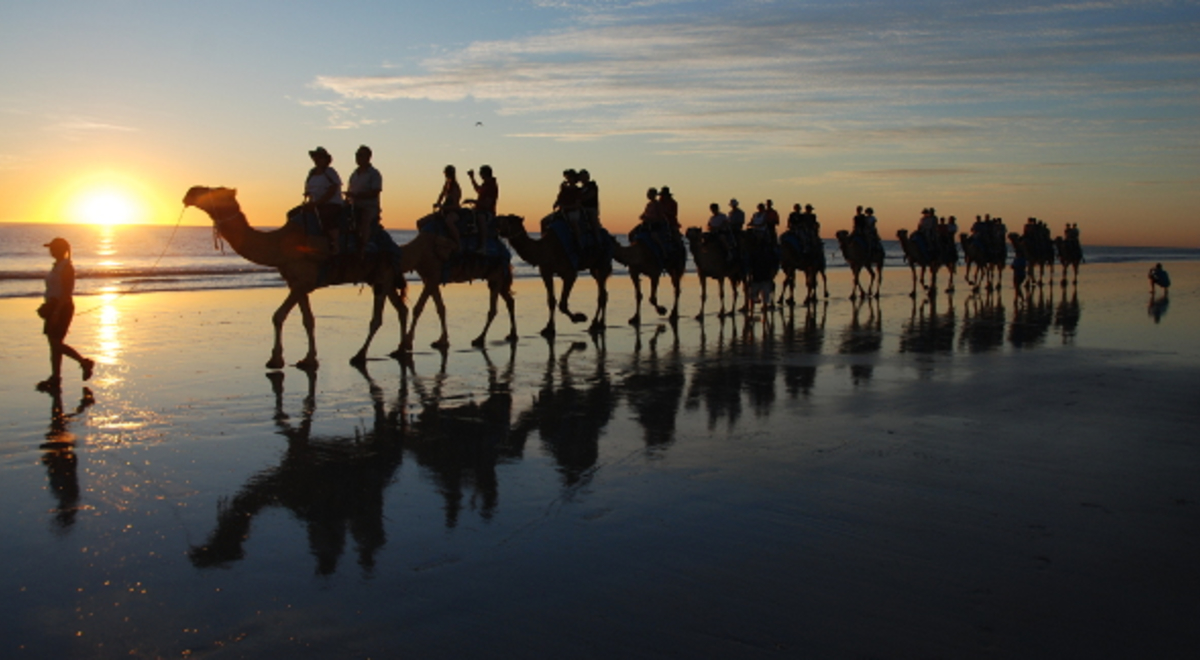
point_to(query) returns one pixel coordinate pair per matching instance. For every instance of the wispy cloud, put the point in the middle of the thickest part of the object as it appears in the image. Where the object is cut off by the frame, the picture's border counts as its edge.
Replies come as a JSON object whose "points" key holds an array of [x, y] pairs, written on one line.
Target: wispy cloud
{"points": [[765, 76], [76, 126]]}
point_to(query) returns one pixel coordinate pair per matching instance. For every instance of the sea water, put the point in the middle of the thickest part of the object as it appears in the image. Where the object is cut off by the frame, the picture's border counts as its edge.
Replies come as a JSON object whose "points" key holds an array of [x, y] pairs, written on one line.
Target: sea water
{"points": [[145, 258]]}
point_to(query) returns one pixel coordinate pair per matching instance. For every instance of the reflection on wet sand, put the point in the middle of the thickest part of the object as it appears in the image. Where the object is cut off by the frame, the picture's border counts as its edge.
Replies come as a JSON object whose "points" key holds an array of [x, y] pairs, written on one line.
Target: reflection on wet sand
{"points": [[808, 339], [983, 322], [927, 330], [569, 414], [61, 461], [336, 484], [863, 338], [1032, 318], [653, 388]]}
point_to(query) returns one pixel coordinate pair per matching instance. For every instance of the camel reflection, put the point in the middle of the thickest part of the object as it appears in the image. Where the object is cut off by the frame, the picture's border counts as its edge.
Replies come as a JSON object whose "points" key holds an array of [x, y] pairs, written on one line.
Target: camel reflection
{"points": [[983, 323], [809, 339], [1032, 318], [569, 414], [60, 459], [929, 332], [459, 445], [1066, 315], [717, 379], [863, 338], [334, 485], [653, 388]]}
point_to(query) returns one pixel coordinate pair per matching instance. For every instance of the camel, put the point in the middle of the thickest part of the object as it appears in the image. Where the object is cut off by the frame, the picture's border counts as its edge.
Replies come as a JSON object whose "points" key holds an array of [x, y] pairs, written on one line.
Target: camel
{"points": [[859, 256], [1070, 254], [548, 254], [791, 260], [304, 263], [762, 249], [915, 257], [1035, 255], [467, 268], [986, 267], [639, 258], [711, 263]]}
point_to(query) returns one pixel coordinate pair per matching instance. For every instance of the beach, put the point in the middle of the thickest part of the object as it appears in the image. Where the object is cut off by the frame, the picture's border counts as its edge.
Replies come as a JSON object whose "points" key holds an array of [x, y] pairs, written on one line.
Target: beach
{"points": [[971, 477]]}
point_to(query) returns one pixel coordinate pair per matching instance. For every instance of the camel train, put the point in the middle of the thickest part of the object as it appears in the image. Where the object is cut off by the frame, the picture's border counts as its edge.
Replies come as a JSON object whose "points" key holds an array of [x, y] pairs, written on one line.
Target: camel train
{"points": [[306, 262]]}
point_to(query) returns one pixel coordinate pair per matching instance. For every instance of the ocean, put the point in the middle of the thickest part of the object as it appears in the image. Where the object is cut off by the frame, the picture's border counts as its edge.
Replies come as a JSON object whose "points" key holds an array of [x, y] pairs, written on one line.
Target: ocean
{"points": [[139, 258]]}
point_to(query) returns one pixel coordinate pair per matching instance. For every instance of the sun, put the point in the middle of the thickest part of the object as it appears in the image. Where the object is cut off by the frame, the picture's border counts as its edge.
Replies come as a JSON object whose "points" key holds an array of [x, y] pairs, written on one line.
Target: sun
{"points": [[108, 199], [106, 207]]}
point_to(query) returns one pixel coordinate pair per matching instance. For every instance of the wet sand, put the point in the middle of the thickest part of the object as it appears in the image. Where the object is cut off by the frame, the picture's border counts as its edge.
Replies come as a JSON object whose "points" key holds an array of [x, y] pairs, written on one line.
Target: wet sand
{"points": [[977, 478]]}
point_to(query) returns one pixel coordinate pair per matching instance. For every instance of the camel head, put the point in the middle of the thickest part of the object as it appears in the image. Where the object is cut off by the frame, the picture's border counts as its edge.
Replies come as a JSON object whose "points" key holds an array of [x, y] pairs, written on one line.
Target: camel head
{"points": [[902, 234], [510, 225], [693, 233], [211, 199]]}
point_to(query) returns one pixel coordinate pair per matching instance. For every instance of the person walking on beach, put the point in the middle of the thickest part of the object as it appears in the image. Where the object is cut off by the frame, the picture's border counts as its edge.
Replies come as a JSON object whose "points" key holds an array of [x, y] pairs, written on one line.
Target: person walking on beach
{"points": [[487, 193], [363, 191], [58, 310], [323, 195]]}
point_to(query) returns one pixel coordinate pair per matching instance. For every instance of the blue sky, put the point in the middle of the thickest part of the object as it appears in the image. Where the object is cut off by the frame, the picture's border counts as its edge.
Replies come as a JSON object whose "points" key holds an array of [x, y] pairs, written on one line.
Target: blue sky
{"points": [[1072, 112]]}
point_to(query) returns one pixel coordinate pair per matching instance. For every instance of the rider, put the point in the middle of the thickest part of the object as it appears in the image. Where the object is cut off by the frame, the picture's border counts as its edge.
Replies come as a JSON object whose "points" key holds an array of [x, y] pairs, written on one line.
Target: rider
{"points": [[719, 226], [323, 195], [569, 203], [669, 208], [449, 202], [589, 194], [363, 192], [487, 194], [737, 217]]}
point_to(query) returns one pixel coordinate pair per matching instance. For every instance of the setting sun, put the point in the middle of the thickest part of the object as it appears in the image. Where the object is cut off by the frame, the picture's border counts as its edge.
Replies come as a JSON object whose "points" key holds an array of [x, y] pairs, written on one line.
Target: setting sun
{"points": [[107, 198], [106, 207]]}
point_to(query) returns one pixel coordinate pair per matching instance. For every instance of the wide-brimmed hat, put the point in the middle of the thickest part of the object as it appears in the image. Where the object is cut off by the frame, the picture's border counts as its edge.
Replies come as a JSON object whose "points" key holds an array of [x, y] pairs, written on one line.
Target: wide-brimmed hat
{"points": [[320, 152]]}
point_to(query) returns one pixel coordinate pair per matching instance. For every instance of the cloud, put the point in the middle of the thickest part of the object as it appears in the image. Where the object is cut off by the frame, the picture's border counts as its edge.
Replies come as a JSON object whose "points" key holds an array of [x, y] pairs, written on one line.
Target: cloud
{"points": [[77, 126], [767, 76]]}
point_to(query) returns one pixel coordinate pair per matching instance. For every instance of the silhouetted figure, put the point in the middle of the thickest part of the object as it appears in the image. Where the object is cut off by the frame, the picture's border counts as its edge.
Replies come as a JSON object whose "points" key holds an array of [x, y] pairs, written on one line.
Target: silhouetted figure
{"points": [[58, 310], [449, 202], [487, 194], [323, 195], [1160, 278], [363, 189]]}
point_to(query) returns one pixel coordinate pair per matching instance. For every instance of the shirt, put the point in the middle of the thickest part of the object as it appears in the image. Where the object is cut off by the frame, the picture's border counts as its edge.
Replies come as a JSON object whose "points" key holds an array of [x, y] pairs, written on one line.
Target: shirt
{"points": [[718, 222], [363, 181], [320, 182]]}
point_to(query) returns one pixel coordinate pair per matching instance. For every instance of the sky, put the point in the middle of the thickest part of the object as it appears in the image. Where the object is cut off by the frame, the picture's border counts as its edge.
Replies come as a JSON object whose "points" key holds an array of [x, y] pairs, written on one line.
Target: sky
{"points": [[1071, 112]]}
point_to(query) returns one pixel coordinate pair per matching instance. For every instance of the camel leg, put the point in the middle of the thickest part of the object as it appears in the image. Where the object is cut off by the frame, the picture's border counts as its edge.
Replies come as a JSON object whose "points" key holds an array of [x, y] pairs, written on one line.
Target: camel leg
{"points": [[704, 296], [360, 358], [950, 289], [310, 328], [636, 319], [443, 342], [564, 303], [548, 280], [662, 311], [493, 295], [720, 296], [913, 269], [507, 295], [277, 319], [600, 318], [397, 301], [426, 292], [676, 281]]}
